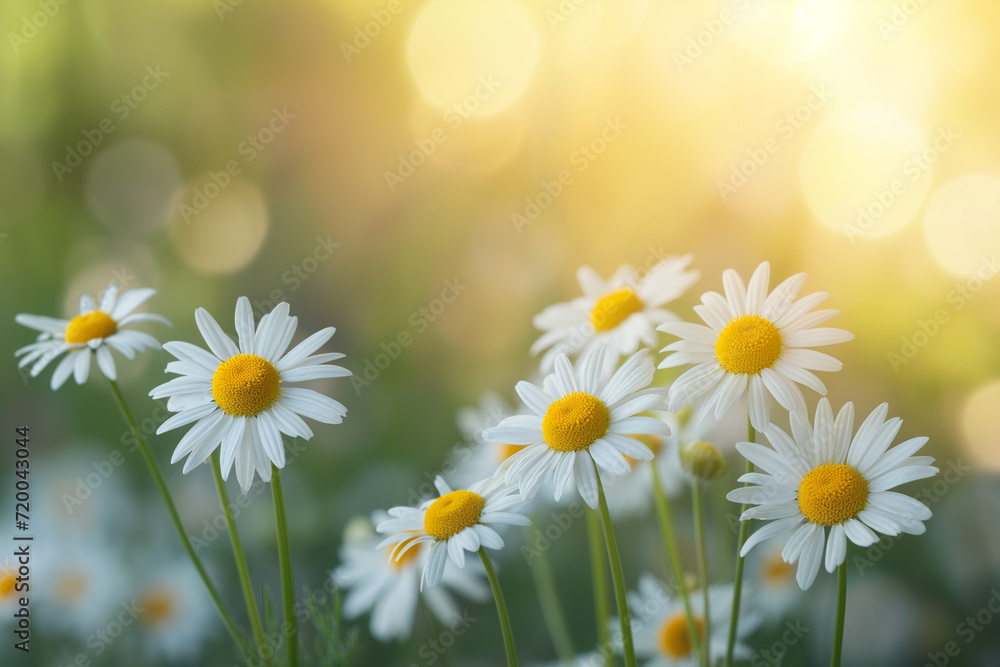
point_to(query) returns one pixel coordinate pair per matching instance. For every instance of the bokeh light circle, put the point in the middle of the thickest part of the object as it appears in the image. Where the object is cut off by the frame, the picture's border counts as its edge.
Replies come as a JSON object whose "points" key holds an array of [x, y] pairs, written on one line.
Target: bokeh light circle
{"points": [[478, 54], [131, 186], [220, 229], [980, 425], [962, 223], [865, 173]]}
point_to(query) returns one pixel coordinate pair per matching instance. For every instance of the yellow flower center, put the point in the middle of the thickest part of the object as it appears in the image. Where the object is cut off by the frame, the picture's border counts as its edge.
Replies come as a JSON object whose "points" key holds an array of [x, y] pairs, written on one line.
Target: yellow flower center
{"points": [[504, 452], [748, 344], [7, 581], [775, 570], [245, 385], [452, 513], [398, 559], [612, 309], [832, 493], [157, 606], [95, 324], [574, 422], [674, 638], [71, 587]]}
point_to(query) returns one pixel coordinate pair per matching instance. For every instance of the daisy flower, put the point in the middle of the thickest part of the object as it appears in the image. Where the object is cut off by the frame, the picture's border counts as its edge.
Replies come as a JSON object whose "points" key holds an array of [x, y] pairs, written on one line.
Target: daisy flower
{"points": [[576, 420], [239, 396], [457, 522], [621, 313], [661, 628], [475, 458], [92, 333], [389, 587], [820, 478], [755, 343], [176, 616]]}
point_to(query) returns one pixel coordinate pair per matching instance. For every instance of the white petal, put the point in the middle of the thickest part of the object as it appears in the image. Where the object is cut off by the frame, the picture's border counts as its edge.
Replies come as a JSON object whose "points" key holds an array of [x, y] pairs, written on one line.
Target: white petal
{"points": [[516, 430], [185, 417], [859, 533], [81, 366], [836, 547], [773, 529], [129, 301], [305, 373], [106, 363], [534, 398], [221, 345], [810, 559], [231, 444], [586, 480], [270, 439], [312, 404], [305, 348], [245, 325]]}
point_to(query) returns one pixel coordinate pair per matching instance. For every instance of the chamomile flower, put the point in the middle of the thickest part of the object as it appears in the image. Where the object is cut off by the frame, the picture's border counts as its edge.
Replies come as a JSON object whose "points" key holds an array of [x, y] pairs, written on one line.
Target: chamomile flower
{"points": [[622, 312], [81, 588], [475, 458], [390, 588], [755, 343], [457, 522], [176, 615], [239, 396], [660, 625], [97, 329], [578, 419], [820, 478]]}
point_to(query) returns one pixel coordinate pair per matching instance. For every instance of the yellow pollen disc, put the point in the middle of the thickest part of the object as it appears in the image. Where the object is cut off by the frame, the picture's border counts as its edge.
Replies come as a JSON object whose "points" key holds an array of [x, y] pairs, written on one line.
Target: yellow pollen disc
{"points": [[832, 493], [574, 422], [71, 587], [407, 557], [7, 581], [504, 452], [94, 324], [674, 638], [748, 345], [612, 309], [776, 571], [452, 513], [157, 607], [245, 385]]}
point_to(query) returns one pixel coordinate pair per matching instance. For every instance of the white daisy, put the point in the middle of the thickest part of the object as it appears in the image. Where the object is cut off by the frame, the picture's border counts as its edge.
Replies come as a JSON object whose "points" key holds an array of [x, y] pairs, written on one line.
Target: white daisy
{"points": [[98, 328], [660, 627], [820, 478], [457, 522], [755, 342], [239, 396], [390, 588], [176, 615], [621, 313], [475, 458], [81, 586], [578, 420]]}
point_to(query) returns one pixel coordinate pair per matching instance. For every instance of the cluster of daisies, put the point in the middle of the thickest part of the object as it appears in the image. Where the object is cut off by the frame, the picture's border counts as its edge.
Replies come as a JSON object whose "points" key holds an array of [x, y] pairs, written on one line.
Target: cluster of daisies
{"points": [[594, 424]]}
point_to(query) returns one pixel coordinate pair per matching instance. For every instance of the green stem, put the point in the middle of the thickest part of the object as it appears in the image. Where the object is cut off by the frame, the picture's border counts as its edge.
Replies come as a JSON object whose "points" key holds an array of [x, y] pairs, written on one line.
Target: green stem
{"points": [[548, 598], [617, 575], [701, 554], [241, 561], [154, 470], [838, 631], [673, 555], [285, 564], [508, 636], [599, 576], [738, 577]]}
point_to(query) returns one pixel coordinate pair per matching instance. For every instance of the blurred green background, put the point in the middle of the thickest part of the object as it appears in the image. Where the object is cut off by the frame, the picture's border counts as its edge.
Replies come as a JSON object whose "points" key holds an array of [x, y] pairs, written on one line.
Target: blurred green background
{"points": [[359, 158]]}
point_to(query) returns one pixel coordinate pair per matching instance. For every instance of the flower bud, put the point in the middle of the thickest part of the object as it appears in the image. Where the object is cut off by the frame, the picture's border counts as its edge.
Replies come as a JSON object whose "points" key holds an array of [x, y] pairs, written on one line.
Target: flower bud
{"points": [[703, 460]]}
